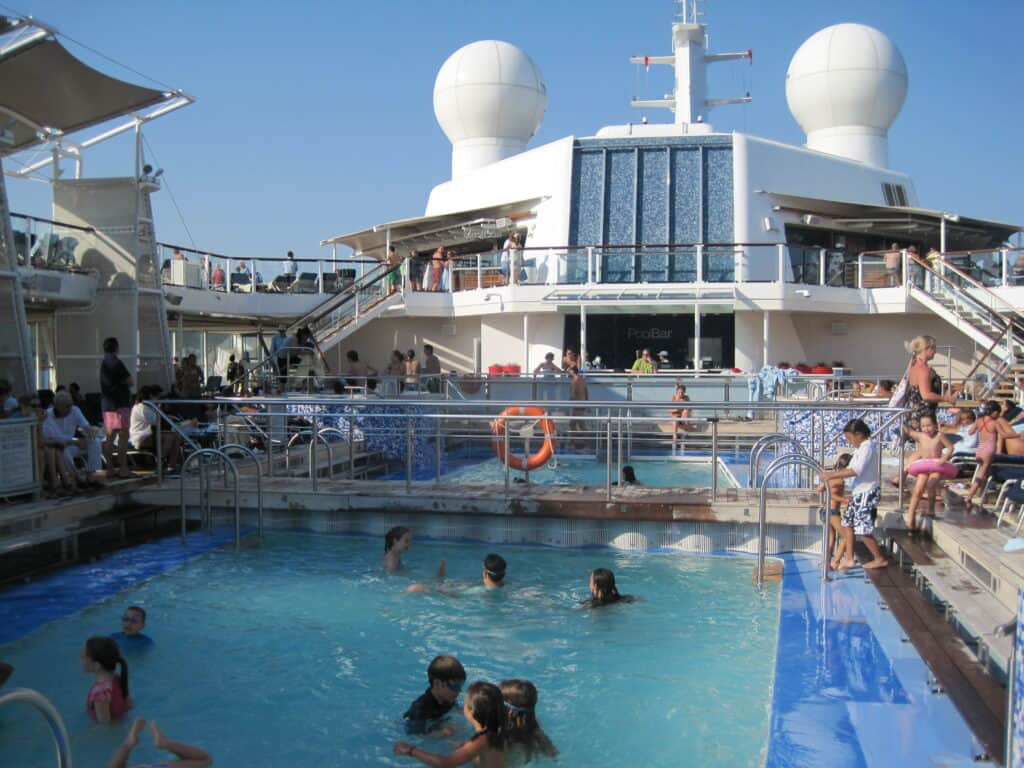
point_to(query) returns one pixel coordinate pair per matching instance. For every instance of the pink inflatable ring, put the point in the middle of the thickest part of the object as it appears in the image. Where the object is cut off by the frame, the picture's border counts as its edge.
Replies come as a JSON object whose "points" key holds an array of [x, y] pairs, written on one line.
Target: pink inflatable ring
{"points": [[927, 466]]}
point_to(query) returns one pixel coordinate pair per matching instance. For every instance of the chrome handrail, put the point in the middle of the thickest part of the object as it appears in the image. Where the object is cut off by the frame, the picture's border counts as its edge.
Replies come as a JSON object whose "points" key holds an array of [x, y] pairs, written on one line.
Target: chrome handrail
{"points": [[259, 481], [319, 438], [53, 719], [234, 474], [762, 512], [758, 448]]}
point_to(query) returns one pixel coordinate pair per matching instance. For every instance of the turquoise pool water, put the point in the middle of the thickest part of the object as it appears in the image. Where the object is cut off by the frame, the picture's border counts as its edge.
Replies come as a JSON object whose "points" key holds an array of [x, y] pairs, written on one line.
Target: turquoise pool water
{"points": [[660, 473], [302, 652]]}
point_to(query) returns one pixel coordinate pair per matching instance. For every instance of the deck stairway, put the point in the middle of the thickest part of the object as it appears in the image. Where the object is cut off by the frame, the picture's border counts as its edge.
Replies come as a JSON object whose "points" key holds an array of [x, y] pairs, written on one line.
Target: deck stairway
{"points": [[351, 308], [995, 324]]}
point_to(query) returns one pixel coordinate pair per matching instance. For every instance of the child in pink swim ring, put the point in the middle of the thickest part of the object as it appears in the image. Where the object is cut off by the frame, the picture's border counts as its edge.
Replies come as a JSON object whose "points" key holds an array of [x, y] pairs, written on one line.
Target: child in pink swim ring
{"points": [[108, 697], [934, 448], [188, 755]]}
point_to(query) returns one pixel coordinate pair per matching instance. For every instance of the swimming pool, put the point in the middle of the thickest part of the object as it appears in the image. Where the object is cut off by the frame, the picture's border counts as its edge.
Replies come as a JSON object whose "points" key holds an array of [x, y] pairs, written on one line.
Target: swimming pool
{"points": [[301, 652], [655, 472]]}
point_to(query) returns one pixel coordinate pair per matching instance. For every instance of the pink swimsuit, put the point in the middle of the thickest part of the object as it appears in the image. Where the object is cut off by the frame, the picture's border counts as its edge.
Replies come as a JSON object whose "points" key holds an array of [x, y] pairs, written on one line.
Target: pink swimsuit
{"points": [[106, 690], [986, 441]]}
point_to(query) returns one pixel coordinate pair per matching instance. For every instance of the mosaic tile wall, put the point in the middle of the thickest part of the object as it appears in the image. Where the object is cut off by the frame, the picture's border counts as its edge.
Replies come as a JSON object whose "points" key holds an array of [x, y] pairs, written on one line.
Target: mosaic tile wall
{"points": [[666, 190]]}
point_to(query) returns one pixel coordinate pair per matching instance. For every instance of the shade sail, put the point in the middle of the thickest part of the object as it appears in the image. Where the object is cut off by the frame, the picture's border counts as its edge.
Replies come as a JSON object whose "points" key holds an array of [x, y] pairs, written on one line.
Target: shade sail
{"points": [[962, 232], [443, 229], [43, 86]]}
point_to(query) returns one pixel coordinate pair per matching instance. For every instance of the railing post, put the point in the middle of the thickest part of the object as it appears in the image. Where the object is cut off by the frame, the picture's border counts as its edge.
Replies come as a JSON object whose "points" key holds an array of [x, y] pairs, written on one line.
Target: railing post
{"points": [[714, 460], [159, 448], [860, 270], [599, 266], [437, 451], [206, 271], [508, 457], [608, 457], [320, 270], [408, 454], [313, 458], [479, 274], [821, 267], [351, 421], [1004, 256], [700, 263], [781, 265], [590, 264], [252, 275]]}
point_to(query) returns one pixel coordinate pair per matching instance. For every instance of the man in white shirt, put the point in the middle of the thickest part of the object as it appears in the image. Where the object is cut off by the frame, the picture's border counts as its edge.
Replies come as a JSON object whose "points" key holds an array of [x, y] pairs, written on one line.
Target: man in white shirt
{"points": [[289, 267], [63, 420]]}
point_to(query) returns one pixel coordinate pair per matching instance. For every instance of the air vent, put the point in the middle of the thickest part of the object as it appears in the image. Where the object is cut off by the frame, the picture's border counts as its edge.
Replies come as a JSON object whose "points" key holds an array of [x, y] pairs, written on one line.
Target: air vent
{"points": [[895, 194]]}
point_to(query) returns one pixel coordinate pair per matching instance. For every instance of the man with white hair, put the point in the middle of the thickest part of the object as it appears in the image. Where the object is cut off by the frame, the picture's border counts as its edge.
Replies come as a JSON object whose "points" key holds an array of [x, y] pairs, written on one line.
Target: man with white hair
{"points": [[63, 420]]}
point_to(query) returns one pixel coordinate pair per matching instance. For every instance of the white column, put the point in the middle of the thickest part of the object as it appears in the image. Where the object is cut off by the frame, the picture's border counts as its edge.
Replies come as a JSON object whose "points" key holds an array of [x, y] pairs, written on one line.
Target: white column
{"points": [[696, 337], [583, 334], [526, 342], [766, 326]]}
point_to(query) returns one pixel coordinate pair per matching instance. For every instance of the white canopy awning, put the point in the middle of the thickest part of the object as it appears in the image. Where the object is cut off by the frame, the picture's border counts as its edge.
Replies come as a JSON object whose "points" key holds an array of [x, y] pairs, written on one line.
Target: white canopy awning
{"points": [[963, 233], [45, 92], [446, 229]]}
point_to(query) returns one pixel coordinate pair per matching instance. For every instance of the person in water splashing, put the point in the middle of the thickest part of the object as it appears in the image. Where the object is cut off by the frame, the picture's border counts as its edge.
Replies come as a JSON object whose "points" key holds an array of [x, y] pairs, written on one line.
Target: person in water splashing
{"points": [[188, 755], [493, 578], [398, 540]]}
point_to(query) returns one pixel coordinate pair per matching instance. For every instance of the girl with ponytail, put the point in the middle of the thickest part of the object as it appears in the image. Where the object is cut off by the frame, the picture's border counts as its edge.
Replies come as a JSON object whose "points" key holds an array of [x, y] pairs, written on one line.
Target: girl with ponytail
{"points": [[108, 698], [523, 732]]}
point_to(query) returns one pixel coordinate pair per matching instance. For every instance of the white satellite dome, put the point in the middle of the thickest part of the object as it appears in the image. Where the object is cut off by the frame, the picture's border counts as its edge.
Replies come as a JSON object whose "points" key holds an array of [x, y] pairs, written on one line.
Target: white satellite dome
{"points": [[489, 98], [845, 86]]}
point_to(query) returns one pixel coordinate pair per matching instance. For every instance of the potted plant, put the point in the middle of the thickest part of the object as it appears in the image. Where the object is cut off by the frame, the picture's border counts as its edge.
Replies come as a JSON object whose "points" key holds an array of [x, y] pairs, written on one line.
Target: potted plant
{"points": [[510, 369], [495, 370], [783, 366], [821, 369]]}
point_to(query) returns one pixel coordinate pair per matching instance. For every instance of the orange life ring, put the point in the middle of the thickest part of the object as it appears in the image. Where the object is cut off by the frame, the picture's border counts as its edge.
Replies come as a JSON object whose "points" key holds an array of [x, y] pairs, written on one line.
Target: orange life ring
{"points": [[536, 460]]}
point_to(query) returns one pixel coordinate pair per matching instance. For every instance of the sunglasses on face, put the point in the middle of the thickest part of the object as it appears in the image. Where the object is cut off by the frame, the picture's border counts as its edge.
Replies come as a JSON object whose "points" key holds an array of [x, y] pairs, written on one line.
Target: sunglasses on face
{"points": [[455, 686], [129, 619]]}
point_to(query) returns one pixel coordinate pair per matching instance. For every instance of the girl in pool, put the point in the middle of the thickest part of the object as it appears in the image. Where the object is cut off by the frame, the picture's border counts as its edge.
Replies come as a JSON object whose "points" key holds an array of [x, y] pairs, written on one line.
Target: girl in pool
{"points": [[108, 698], [485, 710], [524, 732], [931, 445], [604, 591], [188, 756], [397, 541]]}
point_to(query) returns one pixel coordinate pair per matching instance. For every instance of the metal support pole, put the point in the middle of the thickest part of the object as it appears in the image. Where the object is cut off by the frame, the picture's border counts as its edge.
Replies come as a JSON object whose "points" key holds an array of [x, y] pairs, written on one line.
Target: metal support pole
{"points": [[714, 461], [159, 448], [313, 458], [479, 274], [781, 259], [590, 264], [821, 267], [618, 443], [608, 457], [696, 337], [437, 451], [351, 421], [408, 453], [700, 263], [508, 457]]}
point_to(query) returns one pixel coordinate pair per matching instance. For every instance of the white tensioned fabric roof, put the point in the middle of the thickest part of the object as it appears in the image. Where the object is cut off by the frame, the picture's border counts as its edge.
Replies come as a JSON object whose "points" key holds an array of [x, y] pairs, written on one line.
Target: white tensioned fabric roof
{"points": [[443, 229], [44, 88]]}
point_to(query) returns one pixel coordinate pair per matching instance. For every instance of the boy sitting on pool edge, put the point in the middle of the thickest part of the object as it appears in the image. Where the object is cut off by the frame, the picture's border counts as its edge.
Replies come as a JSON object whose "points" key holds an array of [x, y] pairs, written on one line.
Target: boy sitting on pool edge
{"points": [[446, 677], [131, 638]]}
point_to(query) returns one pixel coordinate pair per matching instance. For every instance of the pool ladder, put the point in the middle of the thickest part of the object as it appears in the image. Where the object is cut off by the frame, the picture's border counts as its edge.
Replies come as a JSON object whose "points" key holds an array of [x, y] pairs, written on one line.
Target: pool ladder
{"points": [[762, 524], [52, 717], [222, 454]]}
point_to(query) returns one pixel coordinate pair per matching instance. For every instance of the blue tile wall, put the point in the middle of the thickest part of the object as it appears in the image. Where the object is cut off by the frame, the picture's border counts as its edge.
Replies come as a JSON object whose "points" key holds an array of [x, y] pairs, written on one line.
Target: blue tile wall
{"points": [[676, 190]]}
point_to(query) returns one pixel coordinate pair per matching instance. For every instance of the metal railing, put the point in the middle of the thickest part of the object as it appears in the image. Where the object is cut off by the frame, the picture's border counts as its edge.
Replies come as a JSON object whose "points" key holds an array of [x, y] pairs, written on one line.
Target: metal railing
{"points": [[762, 444], [53, 719], [204, 492], [226, 449], [762, 512]]}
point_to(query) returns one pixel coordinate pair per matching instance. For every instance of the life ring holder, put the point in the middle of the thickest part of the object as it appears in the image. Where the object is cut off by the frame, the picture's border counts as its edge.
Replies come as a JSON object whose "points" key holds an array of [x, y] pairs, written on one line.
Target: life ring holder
{"points": [[534, 460]]}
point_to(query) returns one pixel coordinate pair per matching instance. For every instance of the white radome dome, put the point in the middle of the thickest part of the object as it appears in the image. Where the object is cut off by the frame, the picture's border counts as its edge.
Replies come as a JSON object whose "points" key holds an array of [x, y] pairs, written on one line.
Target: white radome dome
{"points": [[845, 86], [489, 98]]}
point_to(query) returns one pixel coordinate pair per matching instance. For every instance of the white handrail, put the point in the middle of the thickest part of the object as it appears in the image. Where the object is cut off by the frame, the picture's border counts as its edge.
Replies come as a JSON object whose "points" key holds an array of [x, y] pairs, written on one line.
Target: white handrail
{"points": [[762, 512], [52, 717]]}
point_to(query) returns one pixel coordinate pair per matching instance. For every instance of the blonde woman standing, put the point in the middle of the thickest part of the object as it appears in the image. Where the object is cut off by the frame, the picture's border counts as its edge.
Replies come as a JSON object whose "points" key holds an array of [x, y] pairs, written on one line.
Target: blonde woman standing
{"points": [[924, 386]]}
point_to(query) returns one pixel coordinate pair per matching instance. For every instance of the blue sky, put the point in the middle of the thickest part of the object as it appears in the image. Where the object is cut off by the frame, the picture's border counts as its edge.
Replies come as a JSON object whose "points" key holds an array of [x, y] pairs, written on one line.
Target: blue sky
{"points": [[316, 118]]}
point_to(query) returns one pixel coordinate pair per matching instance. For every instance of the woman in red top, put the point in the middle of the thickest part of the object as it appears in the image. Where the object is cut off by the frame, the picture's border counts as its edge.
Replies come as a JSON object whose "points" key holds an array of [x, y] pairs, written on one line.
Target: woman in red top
{"points": [[108, 698]]}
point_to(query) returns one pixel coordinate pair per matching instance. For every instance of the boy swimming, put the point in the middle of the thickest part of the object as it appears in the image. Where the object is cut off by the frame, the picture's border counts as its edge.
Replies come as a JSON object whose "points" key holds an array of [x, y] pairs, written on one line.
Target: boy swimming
{"points": [[445, 676]]}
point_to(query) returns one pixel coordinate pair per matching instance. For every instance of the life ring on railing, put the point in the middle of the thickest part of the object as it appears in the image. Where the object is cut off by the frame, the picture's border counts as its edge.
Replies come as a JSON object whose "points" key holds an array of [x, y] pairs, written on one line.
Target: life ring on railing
{"points": [[927, 466], [536, 460]]}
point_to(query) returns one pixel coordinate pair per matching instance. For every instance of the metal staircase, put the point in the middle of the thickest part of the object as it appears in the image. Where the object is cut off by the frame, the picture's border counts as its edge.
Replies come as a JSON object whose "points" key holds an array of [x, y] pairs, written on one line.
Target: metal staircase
{"points": [[995, 324], [351, 308]]}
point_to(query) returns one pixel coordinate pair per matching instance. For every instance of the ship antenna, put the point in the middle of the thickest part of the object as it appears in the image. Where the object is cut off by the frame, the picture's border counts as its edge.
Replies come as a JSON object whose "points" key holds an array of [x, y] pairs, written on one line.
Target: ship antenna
{"points": [[689, 60]]}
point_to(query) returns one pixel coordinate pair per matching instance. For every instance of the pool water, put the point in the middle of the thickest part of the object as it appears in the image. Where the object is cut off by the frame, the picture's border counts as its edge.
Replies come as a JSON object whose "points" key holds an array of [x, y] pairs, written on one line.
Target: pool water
{"points": [[659, 473], [303, 653]]}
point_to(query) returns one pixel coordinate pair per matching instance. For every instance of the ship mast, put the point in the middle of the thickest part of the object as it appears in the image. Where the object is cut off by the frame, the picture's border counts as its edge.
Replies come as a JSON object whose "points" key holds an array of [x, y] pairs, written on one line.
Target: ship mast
{"points": [[689, 101]]}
